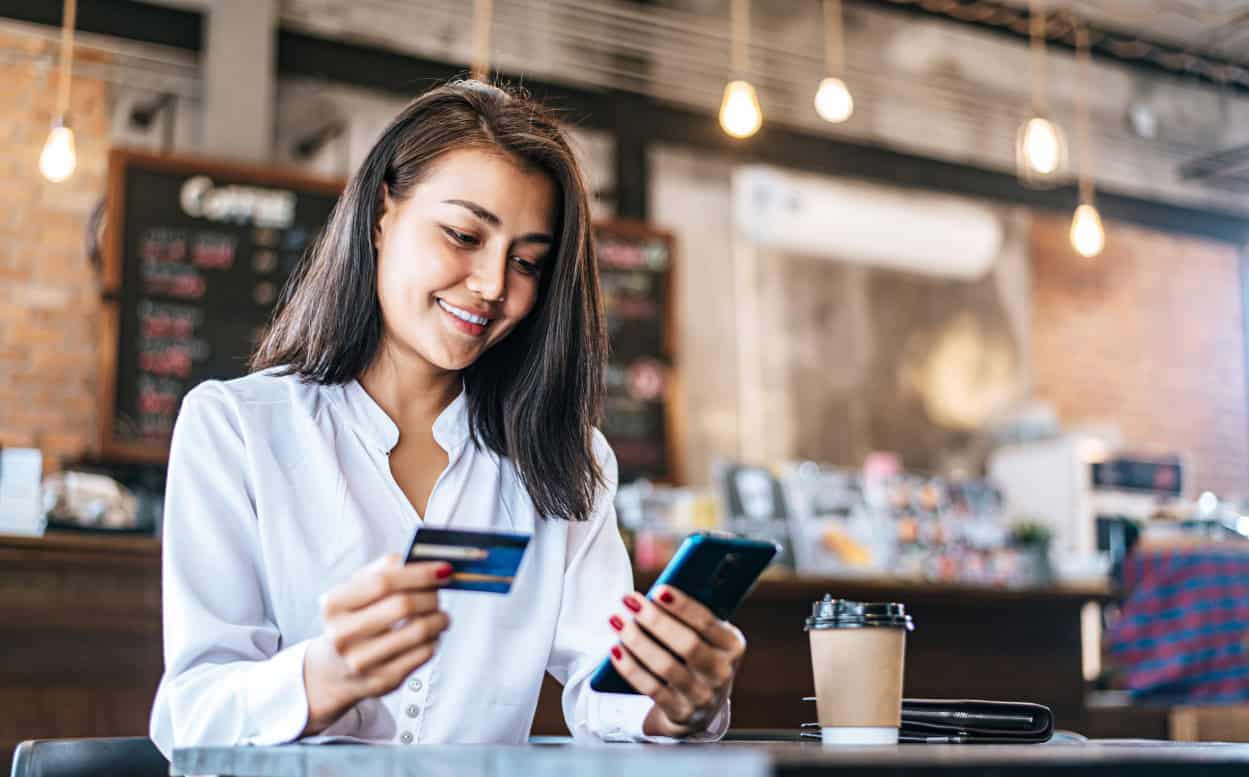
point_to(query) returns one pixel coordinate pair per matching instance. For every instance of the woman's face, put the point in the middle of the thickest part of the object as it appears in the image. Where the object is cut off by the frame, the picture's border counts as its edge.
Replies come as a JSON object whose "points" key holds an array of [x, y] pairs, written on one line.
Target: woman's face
{"points": [[460, 258]]}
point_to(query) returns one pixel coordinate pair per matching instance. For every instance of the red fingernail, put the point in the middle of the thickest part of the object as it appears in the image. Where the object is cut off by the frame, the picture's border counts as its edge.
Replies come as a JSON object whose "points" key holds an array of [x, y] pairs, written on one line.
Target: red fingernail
{"points": [[616, 622], [632, 603], [444, 572], [615, 652], [665, 596]]}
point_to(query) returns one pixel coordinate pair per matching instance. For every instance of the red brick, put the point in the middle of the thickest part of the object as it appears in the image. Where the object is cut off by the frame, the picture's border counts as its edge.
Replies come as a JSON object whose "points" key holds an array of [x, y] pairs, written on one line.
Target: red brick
{"points": [[1159, 353]]}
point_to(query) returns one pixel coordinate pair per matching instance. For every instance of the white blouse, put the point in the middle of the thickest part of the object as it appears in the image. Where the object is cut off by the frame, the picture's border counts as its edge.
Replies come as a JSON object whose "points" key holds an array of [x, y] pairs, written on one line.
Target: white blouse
{"points": [[279, 489]]}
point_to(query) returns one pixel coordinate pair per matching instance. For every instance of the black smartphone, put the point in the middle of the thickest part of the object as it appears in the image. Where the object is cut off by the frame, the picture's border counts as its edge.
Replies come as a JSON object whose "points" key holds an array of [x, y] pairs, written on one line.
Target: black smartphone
{"points": [[717, 570]]}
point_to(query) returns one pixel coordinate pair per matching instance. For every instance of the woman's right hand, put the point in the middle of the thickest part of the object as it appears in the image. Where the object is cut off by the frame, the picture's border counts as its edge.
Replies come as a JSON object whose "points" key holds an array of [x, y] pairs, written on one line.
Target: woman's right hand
{"points": [[380, 626]]}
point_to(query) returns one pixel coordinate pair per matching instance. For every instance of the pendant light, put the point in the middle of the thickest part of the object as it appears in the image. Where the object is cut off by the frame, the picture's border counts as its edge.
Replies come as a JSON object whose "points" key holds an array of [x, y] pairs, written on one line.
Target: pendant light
{"points": [[1040, 148], [740, 115], [483, 15], [1088, 237], [58, 158], [833, 100]]}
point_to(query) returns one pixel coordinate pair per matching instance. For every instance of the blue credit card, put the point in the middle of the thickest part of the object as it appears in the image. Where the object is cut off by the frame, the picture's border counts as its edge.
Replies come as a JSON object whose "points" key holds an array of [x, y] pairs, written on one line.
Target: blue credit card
{"points": [[481, 560]]}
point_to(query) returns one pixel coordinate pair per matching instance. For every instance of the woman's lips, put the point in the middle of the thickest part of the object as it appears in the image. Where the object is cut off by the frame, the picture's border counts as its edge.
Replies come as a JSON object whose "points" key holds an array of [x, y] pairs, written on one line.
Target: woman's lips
{"points": [[457, 317]]}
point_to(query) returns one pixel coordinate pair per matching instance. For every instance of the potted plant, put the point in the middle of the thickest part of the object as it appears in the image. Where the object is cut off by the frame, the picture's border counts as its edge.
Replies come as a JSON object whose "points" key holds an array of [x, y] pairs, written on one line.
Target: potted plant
{"points": [[1032, 538]]}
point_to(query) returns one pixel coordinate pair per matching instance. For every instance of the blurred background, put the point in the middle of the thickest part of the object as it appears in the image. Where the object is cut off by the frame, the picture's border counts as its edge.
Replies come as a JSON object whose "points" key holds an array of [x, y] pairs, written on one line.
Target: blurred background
{"points": [[945, 296]]}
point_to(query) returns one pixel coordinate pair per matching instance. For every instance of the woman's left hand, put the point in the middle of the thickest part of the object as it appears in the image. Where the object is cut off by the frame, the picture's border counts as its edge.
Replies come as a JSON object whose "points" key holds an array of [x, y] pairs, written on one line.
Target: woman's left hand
{"points": [[678, 653]]}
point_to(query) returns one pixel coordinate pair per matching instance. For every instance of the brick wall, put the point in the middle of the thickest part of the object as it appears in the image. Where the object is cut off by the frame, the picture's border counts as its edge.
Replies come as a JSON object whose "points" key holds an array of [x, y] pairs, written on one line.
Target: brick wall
{"points": [[1148, 336], [49, 292]]}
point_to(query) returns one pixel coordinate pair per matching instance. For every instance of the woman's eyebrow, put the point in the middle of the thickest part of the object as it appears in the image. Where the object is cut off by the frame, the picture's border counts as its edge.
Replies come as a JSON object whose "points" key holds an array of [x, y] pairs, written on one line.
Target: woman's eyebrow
{"points": [[493, 220], [477, 211]]}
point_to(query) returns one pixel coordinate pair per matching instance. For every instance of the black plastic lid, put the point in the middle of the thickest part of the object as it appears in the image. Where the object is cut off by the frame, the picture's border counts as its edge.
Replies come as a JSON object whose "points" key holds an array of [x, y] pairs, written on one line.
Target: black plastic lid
{"points": [[830, 613]]}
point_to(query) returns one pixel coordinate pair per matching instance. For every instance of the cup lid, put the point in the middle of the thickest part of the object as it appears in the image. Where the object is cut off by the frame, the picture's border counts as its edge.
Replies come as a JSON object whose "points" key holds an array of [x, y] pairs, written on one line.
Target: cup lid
{"points": [[830, 613]]}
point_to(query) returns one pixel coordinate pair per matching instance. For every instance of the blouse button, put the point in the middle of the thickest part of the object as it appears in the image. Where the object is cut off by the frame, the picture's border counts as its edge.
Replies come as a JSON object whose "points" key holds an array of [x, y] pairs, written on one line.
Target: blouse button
{"points": [[406, 737], [412, 710], [414, 684]]}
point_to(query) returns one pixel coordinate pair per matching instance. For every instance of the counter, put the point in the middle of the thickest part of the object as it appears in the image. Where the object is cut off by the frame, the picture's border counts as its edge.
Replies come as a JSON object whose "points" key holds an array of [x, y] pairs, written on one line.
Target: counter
{"points": [[80, 639], [969, 642]]}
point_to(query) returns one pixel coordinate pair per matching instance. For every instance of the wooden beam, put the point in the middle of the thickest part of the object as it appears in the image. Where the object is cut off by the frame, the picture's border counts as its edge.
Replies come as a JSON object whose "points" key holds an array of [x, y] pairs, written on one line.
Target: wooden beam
{"points": [[127, 19]]}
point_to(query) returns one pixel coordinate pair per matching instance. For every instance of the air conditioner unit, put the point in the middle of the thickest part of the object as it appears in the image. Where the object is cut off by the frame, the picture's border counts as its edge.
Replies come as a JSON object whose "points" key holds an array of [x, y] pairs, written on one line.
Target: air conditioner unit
{"points": [[930, 234]]}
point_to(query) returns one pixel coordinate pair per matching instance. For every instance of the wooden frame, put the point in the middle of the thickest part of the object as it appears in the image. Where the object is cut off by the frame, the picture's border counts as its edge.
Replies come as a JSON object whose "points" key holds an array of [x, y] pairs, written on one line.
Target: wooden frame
{"points": [[120, 162], [632, 229]]}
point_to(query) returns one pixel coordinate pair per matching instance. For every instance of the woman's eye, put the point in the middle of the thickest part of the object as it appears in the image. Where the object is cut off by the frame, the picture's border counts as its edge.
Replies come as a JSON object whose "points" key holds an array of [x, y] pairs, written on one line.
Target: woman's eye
{"points": [[460, 237], [526, 267]]}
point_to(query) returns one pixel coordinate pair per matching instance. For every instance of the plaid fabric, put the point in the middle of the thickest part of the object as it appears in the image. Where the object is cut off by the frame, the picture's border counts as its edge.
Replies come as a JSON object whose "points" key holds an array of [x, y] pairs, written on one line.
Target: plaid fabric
{"points": [[1183, 633]]}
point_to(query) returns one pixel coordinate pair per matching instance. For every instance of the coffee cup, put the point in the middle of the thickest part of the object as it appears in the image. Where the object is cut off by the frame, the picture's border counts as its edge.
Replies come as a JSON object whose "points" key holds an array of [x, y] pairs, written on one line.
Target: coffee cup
{"points": [[858, 651]]}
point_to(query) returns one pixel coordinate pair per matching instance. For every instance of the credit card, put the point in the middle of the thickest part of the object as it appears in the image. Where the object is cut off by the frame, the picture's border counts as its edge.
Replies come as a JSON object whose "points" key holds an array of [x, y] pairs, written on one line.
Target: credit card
{"points": [[482, 560]]}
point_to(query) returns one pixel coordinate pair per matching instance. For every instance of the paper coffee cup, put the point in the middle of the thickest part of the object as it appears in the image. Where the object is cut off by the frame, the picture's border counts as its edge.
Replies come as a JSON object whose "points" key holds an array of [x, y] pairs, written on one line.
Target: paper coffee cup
{"points": [[858, 653]]}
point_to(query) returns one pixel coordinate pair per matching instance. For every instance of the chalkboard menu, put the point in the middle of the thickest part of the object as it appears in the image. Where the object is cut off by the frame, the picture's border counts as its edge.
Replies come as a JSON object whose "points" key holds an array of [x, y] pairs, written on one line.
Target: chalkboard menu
{"points": [[197, 252], [635, 270]]}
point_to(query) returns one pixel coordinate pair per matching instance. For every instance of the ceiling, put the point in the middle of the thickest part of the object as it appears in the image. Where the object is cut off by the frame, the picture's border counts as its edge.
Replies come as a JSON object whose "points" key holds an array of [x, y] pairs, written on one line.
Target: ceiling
{"points": [[1217, 28]]}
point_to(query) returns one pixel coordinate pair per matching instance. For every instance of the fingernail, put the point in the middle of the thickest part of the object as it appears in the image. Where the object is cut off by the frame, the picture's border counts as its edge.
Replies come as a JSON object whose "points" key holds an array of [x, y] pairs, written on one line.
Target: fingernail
{"points": [[615, 652], [616, 622], [632, 603], [444, 572], [666, 596]]}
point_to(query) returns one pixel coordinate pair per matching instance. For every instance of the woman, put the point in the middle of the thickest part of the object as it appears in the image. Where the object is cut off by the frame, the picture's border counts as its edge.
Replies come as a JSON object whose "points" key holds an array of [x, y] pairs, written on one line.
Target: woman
{"points": [[436, 362]]}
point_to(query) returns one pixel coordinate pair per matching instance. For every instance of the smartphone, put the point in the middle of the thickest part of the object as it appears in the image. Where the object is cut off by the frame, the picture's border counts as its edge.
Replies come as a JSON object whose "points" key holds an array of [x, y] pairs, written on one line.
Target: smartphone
{"points": [[717, 570]]}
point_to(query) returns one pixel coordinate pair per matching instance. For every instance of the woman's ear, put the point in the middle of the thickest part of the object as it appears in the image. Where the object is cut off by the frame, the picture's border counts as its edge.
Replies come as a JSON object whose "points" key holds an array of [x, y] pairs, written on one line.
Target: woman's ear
{"points": [[386, 205]]}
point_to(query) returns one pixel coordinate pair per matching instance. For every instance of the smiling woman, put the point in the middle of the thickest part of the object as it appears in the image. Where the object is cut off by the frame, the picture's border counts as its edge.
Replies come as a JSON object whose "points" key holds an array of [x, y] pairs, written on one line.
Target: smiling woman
{"points": [[457, 207], [436, 362]]}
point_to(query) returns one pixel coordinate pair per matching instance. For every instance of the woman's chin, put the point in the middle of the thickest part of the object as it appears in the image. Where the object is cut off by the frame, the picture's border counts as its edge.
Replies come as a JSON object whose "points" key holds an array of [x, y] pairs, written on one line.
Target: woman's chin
{"points": [[455, 360]]}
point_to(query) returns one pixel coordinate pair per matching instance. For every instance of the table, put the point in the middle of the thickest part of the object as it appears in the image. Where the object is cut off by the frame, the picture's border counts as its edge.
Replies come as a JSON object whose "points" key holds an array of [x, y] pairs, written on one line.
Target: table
{"points": [[1107, 758]]}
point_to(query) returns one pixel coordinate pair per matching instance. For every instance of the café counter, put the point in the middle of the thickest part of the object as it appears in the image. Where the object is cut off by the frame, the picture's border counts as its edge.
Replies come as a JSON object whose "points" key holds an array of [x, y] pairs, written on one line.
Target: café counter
{"points": [[969, 642], [79, 635], [80, 630]]}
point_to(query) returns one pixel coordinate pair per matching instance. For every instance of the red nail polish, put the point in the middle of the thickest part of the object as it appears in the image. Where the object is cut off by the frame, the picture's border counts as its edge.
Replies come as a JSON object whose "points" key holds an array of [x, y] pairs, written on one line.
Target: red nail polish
{"points": [[444, 572], [632, 603], [616, 622], [615, 652], [666, 597]]}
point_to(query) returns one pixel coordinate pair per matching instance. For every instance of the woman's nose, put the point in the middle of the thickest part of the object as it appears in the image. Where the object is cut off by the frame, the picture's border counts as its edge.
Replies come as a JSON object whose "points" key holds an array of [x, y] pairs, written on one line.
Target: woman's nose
{"points": [[489, 277]]}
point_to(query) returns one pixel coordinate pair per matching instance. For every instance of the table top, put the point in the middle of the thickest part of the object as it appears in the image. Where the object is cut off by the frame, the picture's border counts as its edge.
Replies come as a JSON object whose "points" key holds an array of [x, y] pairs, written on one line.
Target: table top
{"points": [[729, 759]]}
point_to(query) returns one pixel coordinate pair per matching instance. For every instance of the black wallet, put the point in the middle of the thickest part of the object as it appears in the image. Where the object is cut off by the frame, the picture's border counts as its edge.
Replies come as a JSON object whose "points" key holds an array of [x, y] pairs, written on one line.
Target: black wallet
{"points": [[946, 721]]}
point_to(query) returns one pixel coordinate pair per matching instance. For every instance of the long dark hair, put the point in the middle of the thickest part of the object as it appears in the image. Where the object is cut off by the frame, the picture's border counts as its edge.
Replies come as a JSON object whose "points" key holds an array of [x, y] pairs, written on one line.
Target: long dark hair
{"points": [[535, 396]]}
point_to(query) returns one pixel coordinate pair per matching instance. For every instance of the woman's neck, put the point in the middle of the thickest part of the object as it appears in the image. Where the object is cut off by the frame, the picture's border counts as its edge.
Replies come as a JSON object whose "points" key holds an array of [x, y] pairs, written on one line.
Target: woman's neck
{"points": [[409, 388]]}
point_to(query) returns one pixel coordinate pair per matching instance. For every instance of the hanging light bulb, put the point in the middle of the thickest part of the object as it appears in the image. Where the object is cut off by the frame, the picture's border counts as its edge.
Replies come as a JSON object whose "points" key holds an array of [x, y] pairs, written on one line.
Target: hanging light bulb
{"points": [[1040, 146], [1088, 237], [833, 101], [58, 158], [740, 115]]}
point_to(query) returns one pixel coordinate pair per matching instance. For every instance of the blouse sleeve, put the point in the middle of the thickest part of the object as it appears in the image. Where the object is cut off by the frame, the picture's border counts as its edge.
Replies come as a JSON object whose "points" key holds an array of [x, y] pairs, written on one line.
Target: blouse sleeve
{"points": [[229, 679], [598, 574]]}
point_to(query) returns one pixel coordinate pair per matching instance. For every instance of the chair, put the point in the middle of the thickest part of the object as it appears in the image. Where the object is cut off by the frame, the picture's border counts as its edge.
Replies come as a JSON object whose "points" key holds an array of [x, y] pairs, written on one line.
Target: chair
{"points": [[101, 757]]}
